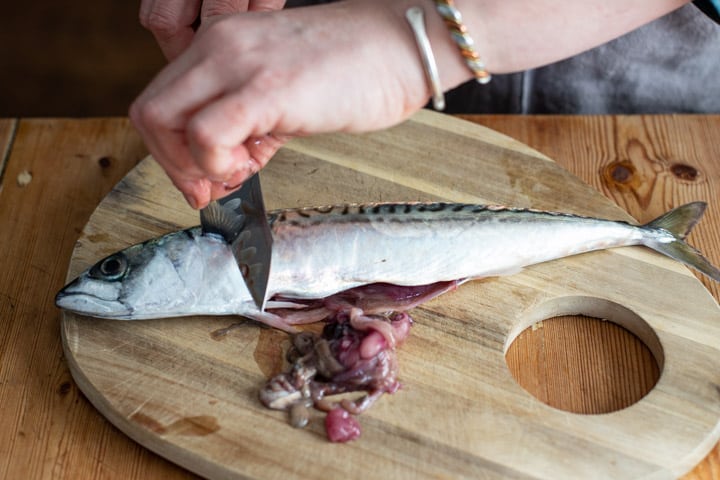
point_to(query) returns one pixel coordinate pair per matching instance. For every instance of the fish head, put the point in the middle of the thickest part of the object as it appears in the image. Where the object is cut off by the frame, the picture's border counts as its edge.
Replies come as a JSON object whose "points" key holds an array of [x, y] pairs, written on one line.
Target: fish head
{"points": [[98, 290], [182, 273]]}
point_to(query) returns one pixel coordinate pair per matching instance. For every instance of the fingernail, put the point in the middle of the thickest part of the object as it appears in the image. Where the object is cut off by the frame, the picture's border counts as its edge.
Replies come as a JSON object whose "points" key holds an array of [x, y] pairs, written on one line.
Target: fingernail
{"points": [[261, 139], [235, 180], [229, 187]]}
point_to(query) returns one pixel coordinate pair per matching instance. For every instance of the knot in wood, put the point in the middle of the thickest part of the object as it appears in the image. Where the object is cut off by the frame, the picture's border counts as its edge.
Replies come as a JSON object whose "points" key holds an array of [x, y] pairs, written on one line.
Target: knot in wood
{"points": [[684, 172]]}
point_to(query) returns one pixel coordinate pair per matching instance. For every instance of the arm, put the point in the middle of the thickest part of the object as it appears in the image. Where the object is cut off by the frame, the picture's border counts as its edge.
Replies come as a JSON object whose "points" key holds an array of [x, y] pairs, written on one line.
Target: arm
{"points": [[513, 36], [219, 111]]}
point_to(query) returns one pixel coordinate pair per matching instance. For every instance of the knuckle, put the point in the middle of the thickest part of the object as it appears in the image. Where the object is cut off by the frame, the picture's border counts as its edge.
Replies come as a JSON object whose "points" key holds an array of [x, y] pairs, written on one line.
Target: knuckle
{"points": [[273, 108], [269, 78], [201, 135], [146, 113], [222, 29], [219, 7], [212, 158], [160, 22]]}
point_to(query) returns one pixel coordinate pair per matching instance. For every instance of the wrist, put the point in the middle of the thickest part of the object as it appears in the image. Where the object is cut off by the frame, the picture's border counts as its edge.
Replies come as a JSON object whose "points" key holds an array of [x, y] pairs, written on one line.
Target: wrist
{"points": [[451, 65]]}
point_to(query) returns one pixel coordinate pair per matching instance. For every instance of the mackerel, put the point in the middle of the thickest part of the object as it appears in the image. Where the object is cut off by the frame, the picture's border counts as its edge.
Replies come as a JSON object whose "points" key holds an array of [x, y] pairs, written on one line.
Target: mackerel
{"points": [[319, 252]]}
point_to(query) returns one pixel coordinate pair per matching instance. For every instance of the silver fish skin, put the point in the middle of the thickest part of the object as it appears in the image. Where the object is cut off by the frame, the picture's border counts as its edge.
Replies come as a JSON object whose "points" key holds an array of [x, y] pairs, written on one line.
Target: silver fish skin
{"points": [[318, 252]]}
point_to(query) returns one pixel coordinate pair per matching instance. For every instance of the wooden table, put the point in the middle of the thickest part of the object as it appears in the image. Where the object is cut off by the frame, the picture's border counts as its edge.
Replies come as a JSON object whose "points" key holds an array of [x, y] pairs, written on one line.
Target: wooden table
{"points": [[55, 171]]}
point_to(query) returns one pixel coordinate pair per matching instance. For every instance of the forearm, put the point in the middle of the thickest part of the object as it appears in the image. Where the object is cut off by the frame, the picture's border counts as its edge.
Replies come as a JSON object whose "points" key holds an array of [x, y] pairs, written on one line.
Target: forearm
{"points": [[516, 35]]}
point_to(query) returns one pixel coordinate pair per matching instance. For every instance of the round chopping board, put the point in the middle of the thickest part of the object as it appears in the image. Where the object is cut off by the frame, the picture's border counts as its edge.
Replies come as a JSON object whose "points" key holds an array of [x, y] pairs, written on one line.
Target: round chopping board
{"points": [[188, 388]]}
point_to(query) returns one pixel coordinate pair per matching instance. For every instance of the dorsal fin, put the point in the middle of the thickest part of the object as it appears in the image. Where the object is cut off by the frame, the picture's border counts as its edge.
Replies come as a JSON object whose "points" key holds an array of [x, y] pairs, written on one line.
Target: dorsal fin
{"points": [[221, 220]]}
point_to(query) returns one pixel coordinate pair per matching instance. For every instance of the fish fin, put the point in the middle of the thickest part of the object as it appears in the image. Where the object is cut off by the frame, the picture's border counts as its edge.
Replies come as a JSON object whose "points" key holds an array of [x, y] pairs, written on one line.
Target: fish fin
{"points": [[681, 220], [221, 220], [678, 223]]}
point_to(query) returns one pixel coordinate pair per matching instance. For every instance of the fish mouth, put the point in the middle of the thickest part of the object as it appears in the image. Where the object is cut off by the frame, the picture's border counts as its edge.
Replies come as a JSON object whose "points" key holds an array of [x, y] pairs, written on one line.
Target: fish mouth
{"points": [[92, 305]]}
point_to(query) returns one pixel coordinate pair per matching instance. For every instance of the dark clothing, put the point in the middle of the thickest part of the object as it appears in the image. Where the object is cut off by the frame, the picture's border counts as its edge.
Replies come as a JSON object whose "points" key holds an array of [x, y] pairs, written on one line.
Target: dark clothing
{"points": [[671, 65]]}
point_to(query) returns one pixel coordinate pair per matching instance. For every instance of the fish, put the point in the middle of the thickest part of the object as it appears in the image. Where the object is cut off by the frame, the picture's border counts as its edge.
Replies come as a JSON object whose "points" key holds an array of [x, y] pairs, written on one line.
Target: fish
{"points": [[387, 255]]}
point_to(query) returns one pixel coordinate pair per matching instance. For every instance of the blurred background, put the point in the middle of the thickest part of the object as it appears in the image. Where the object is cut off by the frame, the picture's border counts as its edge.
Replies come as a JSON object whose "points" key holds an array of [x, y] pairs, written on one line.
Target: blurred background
{"points": [[92, 58], [79, 58]]}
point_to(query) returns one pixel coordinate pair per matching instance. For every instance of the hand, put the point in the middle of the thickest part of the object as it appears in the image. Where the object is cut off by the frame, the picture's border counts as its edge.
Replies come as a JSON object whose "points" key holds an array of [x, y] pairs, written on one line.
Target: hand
{"points": [[248, 81], [172, 22]]}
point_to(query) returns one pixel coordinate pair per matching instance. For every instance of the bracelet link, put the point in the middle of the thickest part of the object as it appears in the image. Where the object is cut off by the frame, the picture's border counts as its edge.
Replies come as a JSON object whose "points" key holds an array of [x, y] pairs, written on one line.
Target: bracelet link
{"points": [[460, 35]]}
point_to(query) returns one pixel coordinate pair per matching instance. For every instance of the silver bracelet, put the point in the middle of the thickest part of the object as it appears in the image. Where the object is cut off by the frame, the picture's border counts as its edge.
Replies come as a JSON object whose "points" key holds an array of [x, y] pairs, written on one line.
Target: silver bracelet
{"points": [[416, 17]]}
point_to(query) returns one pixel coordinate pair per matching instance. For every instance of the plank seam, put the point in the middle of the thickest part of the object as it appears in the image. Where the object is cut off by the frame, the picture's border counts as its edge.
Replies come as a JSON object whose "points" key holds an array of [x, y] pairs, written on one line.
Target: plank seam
{"points": [[6, 152]]}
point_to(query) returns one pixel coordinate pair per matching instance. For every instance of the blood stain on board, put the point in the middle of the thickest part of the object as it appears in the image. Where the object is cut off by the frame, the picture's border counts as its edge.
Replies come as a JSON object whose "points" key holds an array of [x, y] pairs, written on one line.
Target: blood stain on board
{"points": [[269, 351]]}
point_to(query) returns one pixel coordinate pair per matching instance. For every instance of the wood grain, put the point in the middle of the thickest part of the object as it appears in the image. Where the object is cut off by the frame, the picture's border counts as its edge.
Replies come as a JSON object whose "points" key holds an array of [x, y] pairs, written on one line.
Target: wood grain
{"points": [[47, 427], [172, 387], [606, 367], [645, 164], [7, 129]]}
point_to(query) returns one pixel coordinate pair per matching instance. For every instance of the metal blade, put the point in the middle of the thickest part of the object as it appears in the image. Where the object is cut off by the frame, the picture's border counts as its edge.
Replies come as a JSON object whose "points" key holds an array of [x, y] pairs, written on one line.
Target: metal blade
{"points": [[241, 219]]}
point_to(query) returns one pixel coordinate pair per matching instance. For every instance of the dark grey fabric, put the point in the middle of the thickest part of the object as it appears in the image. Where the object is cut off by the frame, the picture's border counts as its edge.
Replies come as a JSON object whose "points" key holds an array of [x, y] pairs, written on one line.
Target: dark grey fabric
{"points": [[671, 65]]}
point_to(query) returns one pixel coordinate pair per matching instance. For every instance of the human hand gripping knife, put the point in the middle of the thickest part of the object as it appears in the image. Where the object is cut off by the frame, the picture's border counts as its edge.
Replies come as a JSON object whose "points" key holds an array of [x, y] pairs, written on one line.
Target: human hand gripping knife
{"points": [[241, 220]]}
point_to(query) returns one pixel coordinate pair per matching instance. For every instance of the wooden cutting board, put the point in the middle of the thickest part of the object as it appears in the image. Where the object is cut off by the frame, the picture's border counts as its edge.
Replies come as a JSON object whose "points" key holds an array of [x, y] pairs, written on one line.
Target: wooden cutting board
{"points": [[187, 388]]}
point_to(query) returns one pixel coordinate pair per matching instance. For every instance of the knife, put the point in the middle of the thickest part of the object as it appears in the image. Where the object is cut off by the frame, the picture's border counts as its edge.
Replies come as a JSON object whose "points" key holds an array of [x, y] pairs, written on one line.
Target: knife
{"points": [[241, 220]]}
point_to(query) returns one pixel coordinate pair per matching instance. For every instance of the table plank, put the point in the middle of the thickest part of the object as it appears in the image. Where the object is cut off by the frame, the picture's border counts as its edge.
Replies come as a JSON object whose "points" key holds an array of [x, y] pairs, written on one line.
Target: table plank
{"points": [[47, 428], [7, 130], [646, 164]]}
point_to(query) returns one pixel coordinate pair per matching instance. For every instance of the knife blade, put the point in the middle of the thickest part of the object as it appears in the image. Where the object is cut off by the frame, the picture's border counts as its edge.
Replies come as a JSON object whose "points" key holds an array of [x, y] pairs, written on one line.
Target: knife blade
{"points": [[240, 218]]}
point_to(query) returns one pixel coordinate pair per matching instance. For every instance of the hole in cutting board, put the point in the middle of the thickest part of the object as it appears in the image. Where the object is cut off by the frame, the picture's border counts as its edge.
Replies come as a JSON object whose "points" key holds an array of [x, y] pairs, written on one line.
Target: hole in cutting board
{"points": [[607, 365]]}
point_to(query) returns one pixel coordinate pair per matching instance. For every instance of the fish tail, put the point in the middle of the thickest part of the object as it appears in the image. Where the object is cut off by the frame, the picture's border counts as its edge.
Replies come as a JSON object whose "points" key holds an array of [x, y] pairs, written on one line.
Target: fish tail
{"points": [[678, 223]]}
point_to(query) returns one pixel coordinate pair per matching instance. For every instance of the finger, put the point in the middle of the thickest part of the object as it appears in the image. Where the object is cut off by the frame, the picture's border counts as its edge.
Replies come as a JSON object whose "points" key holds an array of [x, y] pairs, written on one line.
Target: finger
{"points": [[212, 8], [197, 192], [170, 22], [196, 189], [173, 96], [265, 5], [161, 113], [215, 131], [216, 141], [169, 149], [192, 184], [262, 149], [163, 120], [258, 151], [221, 189]]}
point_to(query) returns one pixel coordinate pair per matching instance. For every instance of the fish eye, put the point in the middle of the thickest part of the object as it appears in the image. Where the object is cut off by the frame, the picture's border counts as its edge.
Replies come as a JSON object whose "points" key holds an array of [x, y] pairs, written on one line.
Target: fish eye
{"points": [[111, 268]]}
